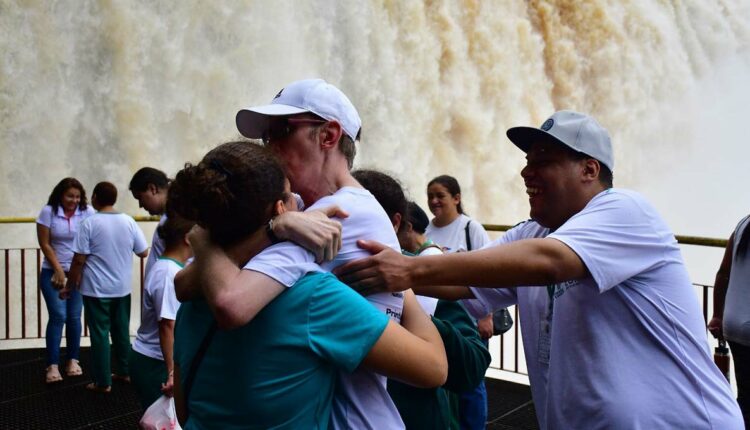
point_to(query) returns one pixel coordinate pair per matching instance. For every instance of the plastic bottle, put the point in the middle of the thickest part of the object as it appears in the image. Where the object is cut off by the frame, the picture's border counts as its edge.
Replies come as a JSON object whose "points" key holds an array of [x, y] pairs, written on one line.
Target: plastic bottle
{"points": [[721, 358]]}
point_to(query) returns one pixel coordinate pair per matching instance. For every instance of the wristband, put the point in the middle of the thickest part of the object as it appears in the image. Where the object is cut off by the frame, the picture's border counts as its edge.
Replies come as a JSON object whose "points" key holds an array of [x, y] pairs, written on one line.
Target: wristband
{"points": [[269, 232]]}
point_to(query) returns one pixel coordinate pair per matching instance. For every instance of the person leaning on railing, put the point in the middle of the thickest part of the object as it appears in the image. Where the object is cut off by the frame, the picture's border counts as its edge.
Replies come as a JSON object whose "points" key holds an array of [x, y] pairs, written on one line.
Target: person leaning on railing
{"points": [[731, 319], [56, 228]]}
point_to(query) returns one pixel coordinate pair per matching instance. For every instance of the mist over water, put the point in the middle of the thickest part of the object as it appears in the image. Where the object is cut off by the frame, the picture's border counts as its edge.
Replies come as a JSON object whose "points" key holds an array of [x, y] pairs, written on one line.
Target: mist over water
{"points": [[96, 90]]}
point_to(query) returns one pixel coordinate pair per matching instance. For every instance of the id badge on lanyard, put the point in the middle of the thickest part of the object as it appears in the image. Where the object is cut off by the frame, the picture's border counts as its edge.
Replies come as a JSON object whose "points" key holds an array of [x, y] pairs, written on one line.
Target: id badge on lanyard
{"points": [[545, 328]]}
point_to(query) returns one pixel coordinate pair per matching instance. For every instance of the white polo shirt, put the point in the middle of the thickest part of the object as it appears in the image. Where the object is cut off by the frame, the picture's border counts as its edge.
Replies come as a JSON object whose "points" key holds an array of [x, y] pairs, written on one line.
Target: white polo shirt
{"points": [[62, 232]]}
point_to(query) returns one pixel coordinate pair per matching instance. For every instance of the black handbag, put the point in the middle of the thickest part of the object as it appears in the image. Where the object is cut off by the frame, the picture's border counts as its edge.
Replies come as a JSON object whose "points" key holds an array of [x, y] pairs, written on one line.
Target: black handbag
{"points": [[501, 321]]}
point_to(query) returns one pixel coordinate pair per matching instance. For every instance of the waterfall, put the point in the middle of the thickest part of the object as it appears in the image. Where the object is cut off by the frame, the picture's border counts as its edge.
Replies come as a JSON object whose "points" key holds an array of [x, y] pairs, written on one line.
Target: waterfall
{"points": [[97, 89]]}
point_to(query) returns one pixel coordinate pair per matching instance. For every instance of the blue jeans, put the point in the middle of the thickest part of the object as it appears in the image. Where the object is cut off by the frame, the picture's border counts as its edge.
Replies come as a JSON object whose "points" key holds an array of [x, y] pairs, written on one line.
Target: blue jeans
{"points": [[61, 312]]}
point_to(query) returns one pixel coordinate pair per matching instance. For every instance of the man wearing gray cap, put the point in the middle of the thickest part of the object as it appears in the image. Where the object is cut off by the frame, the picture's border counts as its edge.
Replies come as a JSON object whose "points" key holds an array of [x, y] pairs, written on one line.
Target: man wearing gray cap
{"points": [[612, 329]]}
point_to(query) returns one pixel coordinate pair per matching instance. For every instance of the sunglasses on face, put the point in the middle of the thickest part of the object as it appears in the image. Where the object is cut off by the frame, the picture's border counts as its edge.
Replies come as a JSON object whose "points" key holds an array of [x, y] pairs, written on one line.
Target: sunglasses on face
{"points": [[281, 129]]}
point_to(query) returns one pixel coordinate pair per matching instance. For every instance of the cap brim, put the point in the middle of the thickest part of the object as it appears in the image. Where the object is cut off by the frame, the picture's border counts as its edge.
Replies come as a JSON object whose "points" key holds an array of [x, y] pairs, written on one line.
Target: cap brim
{"points": [[253, 121], [523, 137]]}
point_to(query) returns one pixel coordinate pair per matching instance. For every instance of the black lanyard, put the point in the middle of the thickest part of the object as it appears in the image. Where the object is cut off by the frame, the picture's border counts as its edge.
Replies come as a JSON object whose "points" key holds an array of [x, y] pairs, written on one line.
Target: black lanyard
{"points": [[551, 294]]}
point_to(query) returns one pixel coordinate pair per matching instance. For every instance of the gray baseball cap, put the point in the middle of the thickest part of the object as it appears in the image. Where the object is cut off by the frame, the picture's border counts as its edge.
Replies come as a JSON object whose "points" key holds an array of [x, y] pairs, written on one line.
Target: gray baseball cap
{"points": [[575, 130]]}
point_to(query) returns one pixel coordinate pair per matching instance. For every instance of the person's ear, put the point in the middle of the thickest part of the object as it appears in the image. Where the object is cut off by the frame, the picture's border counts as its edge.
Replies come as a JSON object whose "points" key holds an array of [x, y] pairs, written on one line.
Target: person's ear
{"points": [[279, 208], [591, 169], [330, 134], [396, 221], [153, 189], [457, 199]]}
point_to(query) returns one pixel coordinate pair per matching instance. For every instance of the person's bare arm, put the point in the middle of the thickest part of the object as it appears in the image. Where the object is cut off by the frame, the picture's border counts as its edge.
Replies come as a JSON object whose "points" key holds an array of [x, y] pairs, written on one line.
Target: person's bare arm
{"points": [[520, 263], [720, 290], [166, 341], [234, 295], [74, 275], [43, 237], [486, 327], [313, 230], [445, 292], [412, 352], [143, 254]]}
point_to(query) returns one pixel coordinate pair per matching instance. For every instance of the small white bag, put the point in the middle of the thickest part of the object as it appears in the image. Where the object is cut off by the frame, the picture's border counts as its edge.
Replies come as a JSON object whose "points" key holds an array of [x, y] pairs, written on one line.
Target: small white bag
{"points": [[161, 415]]}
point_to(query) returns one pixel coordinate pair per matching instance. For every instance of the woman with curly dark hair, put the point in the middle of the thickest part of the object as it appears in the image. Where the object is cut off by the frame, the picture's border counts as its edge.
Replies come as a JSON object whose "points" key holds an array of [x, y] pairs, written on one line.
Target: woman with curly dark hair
{"points": [[280, 369], [56, 228]]}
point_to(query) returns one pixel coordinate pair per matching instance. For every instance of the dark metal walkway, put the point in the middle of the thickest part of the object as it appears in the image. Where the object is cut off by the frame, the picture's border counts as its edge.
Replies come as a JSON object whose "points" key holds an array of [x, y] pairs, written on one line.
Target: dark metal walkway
{"points": [[26, 402]]}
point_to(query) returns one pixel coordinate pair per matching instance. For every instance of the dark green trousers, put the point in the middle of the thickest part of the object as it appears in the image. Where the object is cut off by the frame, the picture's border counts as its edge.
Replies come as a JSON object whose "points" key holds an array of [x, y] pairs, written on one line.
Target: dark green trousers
{"points": [[147, 374], [106, 317]]}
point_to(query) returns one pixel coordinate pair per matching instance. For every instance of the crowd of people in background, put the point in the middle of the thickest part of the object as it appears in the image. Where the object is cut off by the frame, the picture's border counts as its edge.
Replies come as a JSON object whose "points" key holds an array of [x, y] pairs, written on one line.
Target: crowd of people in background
{"points": [[284, 290]]}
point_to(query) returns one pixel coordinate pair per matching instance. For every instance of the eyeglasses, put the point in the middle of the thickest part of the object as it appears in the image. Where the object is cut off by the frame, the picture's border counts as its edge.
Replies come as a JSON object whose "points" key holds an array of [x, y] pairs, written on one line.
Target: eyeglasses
{"points": [[281, 129]]}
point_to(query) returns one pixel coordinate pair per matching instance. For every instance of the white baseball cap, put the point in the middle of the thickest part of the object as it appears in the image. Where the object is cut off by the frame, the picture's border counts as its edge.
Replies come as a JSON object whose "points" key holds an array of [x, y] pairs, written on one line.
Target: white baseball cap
{"points": [[308, 95], [575, 130]]}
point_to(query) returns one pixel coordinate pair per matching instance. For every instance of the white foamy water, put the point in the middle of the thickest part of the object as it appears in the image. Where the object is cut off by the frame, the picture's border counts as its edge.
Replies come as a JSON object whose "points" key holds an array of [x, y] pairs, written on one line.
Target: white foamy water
{"points": [[96, 90]]}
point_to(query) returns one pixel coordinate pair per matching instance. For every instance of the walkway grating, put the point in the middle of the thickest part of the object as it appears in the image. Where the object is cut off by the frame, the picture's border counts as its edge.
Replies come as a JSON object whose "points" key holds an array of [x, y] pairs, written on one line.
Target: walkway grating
{"points": [[27, 403]]}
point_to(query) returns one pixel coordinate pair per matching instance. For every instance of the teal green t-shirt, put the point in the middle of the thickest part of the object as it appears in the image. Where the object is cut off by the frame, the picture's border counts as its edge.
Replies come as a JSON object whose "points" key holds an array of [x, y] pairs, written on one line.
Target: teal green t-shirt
{"points": [[279, 370]]}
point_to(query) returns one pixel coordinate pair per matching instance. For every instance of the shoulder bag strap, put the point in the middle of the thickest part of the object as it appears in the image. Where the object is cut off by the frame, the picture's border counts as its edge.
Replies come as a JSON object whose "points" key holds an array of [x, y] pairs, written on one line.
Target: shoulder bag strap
{"points": [[468, 238]]}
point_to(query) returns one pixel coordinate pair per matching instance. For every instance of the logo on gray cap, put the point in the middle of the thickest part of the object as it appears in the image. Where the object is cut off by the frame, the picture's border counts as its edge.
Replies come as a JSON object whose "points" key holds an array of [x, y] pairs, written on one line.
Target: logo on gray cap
{"points": [[548, 124]]}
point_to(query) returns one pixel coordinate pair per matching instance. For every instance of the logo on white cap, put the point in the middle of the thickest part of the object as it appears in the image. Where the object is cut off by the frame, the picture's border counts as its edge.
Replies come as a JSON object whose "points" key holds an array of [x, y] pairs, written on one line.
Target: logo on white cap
{"points": [[548, 124]]}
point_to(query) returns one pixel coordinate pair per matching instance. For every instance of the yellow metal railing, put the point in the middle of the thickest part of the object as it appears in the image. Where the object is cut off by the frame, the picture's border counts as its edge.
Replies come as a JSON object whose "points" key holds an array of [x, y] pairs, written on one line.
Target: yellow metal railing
{"points": [[27, 220], [683, 240], [23, 314]]}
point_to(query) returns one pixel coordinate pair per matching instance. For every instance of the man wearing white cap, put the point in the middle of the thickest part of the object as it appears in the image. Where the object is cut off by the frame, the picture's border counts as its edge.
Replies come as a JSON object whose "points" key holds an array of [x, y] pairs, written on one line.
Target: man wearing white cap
{"points": [[313, 127], [616, 339]]}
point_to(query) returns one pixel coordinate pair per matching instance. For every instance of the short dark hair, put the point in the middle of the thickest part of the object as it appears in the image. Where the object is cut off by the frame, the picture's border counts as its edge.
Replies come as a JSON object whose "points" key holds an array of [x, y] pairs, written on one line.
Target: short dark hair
{"points": [[174, 229], [148, 175], [105, 193], [386, 190], [231, 192], [64, 185], [451, 184], [605, 173], [417, 218]]}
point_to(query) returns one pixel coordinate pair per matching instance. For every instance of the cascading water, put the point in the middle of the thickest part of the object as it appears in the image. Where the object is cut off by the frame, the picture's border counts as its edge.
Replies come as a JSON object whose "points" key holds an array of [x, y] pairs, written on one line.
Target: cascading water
{"points": [[98, 89]]}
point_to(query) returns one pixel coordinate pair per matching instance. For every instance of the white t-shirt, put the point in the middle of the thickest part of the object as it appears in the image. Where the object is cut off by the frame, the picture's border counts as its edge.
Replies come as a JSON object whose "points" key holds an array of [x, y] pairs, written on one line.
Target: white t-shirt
{"points": [[159, 302], [62, 232], [452, 237], [533, 305], [108, 239], [361, 400], [157, 246], [628, 343]]}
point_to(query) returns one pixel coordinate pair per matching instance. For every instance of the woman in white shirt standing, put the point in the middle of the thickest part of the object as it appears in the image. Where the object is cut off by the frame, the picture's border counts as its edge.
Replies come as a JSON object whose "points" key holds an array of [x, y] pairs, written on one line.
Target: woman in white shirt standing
{"points": [[451, 228], [56, 228], [454, 231]]}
